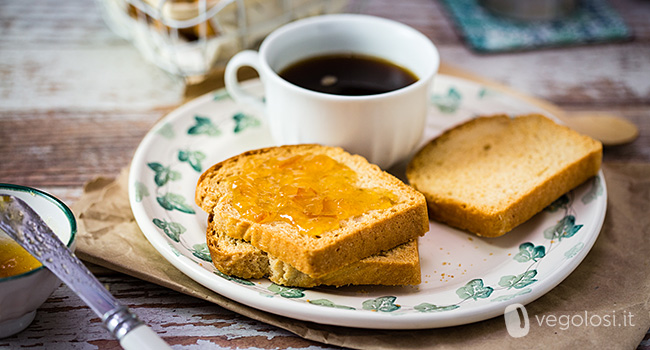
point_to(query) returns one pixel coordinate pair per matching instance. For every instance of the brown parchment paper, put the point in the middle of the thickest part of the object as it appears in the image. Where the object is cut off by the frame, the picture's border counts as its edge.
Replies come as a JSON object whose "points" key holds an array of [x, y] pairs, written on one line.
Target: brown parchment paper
{"points": [[613, 279]]}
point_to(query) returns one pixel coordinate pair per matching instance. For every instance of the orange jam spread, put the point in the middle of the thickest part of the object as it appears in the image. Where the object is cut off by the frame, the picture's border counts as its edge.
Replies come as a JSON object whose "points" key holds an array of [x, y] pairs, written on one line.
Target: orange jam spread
{"points": [[14, 260], [312, 192]]}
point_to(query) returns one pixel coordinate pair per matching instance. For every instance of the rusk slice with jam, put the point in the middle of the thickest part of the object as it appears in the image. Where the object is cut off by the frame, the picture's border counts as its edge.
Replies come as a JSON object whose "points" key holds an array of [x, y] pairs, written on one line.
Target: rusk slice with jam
{"points": [[354, 238], [395, 267]]}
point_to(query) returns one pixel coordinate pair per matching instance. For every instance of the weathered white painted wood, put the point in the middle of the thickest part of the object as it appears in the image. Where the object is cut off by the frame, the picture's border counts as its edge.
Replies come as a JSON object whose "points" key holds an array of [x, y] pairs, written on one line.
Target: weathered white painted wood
{"points": [[91, 79], [184, 322], [66, 148], [53, 57], [53, 25], [60, 55], [590, 76]]}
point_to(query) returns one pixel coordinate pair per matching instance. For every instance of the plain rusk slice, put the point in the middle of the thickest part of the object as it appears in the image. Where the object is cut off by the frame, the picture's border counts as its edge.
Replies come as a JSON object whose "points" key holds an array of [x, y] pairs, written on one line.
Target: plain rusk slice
{"points": [[491, 174], [234, 257], [357, 238]]}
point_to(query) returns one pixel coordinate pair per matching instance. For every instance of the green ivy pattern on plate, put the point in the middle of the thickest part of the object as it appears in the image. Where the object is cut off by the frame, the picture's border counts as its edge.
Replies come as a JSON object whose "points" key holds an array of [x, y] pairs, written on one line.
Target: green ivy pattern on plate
{"points": [[234, 279], [474, 289], [203, 126], [193, 158], [328, 303], [528, 251], [173, 230], [595, 191], [166, 131], [201, 251], [383, 304], [449, 102], [141, 191], [286, 292], [453, 100], [426, 307]]}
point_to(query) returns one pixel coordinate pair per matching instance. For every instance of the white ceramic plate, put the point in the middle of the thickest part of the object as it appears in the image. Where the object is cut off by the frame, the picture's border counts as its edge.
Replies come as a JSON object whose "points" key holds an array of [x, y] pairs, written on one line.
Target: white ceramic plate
{"points": [[464, 278]]}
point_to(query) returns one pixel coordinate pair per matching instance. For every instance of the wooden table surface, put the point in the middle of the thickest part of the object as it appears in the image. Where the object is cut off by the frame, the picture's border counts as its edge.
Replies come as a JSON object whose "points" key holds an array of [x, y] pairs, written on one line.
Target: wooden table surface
{"points": [[76, 100]]}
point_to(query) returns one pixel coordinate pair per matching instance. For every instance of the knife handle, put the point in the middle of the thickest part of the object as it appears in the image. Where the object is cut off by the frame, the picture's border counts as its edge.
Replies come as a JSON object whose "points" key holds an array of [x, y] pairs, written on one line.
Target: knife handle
{"points": [[143, 338]]}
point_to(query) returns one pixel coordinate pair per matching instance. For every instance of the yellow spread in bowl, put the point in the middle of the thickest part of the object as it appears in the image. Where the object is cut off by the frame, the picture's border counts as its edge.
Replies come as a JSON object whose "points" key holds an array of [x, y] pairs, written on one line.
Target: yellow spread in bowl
{"points": [[14, 260]]}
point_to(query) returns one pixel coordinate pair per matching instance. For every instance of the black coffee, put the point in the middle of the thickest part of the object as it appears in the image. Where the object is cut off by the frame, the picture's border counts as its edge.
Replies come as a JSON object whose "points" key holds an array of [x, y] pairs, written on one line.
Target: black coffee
{"points": [[348, 74]]}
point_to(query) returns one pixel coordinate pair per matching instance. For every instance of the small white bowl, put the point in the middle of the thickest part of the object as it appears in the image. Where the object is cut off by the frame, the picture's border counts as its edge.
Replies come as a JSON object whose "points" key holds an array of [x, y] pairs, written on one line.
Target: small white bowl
{"points": [[22, 294]]}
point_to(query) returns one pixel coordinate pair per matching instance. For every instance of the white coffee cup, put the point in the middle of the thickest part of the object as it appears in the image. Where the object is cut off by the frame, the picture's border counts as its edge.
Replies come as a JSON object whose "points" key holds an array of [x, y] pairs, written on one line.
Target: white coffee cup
{"points": [[385, 128]]}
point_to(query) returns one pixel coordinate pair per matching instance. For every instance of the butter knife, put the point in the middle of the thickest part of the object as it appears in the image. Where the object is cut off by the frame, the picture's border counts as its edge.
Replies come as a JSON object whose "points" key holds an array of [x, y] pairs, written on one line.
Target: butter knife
{"points": [[26, 227]]}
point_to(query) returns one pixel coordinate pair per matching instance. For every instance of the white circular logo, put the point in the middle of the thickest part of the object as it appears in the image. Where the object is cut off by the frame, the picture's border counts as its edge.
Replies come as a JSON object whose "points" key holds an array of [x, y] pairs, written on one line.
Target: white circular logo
{"points": [[517, 324]]}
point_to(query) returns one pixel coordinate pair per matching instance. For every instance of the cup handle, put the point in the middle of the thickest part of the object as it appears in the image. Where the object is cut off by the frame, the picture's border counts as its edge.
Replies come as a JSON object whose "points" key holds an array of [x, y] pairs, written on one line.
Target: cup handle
{"points": [[244, 58]]}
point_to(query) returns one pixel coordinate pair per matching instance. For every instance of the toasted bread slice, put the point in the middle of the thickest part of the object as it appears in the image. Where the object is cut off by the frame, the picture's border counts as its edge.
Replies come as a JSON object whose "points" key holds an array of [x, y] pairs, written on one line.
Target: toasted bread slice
{"points": [[356, 237], [395, 267], [491, 174]]}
